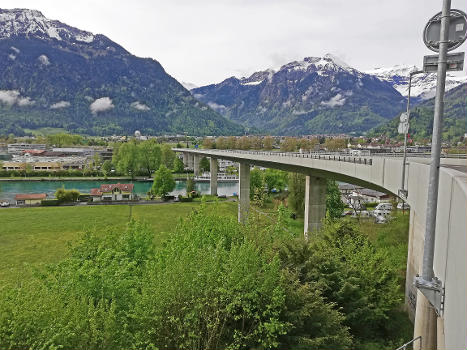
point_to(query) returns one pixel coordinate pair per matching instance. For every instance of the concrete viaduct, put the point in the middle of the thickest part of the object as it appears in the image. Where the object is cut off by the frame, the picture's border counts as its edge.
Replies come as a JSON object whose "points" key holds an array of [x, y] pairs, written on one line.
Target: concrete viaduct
{"points": [[447, 330]]}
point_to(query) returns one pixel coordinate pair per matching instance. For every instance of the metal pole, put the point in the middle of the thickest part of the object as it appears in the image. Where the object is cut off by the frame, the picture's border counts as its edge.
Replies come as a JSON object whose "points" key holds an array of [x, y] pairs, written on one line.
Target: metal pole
{"points": [[432, 203]]}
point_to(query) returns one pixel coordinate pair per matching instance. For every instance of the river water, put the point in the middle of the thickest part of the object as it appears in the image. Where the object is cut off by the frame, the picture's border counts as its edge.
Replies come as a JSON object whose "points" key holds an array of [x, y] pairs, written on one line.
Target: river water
{"points": [[8, 189]]}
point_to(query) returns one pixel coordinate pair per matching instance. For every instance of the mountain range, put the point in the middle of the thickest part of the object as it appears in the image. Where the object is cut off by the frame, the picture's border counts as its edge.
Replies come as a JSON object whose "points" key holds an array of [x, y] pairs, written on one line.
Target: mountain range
{"points": [[423, 85], [316, 95], [54, 75], [57, 76]]}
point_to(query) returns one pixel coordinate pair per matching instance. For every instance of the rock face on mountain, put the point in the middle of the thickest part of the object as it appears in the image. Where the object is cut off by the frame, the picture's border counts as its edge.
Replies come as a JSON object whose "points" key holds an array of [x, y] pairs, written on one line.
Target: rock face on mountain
{"points": [[423, 85], [54, 75], [316, 95], [421, 118]]}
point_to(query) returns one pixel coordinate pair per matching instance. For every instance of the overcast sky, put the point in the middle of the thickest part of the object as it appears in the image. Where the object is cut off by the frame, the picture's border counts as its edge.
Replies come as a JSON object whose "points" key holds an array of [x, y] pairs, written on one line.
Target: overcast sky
{"points": [[206, 41]]}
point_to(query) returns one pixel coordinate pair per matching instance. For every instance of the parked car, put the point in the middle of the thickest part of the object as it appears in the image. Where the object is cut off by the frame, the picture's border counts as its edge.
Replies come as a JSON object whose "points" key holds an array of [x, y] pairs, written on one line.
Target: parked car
{"points": [[4, 204], [361, 213], [403, 205], [383, 209], [380, 219]]}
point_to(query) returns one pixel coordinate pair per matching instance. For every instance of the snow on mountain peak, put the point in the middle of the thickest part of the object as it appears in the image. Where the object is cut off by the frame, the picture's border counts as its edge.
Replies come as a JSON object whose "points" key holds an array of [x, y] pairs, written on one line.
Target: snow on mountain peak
{"points": [[18, 22], [328, 62], [423, 85]]}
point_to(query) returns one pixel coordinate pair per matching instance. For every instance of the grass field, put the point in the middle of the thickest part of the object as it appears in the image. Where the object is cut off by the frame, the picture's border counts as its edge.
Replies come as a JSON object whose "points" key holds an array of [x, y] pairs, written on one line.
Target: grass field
{"points": [[31, 236]]}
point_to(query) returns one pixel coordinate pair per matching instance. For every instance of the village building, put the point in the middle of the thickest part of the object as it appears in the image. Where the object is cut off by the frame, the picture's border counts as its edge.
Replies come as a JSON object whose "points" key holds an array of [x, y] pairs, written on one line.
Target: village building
{"points": [[30, 198], [112, 192]]}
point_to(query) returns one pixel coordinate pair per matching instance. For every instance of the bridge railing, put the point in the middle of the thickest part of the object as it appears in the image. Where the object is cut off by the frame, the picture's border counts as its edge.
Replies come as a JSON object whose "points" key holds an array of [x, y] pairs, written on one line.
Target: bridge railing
{"points": [[311, 155]]}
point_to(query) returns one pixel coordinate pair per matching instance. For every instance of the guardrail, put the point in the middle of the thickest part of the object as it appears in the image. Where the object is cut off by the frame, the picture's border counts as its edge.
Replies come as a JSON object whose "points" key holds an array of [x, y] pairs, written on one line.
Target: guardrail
{"points": [[336, 156], [321, 156]]}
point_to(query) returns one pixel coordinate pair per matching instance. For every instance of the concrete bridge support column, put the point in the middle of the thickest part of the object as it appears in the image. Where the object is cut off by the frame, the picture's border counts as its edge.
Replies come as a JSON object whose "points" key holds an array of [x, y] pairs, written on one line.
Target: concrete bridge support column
{"points": [[196, 160], [186, 162], [315, 203], [213, 182], [244, 192]]}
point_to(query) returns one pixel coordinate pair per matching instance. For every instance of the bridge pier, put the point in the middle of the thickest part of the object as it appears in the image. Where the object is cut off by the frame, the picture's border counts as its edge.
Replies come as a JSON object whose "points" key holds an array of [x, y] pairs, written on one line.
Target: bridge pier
{"points": [[244, 191], [213, 180], [196, 168], [315, 203]]}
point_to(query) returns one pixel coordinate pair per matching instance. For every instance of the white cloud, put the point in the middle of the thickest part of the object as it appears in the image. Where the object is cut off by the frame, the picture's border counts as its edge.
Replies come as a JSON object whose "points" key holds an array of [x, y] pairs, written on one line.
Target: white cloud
{"points": [[25, 101], [12, 57], [9, 97], [61, 104], [216, 107], [337, 100], [44, 60], [101, 105], [12, 97], [140, 106], [17, 51]]}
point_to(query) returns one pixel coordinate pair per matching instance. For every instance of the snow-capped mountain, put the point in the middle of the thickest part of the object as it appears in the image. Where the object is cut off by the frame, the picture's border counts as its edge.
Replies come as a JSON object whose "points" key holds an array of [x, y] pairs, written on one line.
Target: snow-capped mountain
{"points": [[423, 85], [19, 22], [63, 77], [314, 95]]}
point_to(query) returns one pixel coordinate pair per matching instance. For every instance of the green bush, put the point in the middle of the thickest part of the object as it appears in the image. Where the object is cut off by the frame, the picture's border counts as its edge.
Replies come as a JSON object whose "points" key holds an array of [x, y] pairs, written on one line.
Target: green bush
{"points": [[50, 202]]}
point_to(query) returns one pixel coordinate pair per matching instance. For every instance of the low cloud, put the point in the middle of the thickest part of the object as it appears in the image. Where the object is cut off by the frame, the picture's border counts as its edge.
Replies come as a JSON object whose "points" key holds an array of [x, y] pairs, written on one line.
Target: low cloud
{"points": [[337, 100], [101, 105], [15, 49], [217, 107], [61, 104], [13, 97], [44, 60], [25, 101], [140, 106], [12, 57]]}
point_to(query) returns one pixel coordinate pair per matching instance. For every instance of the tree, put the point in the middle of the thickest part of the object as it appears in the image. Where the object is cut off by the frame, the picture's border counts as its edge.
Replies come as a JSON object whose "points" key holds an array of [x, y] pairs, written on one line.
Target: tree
{"points": [[274, 178], [178, 166], [106, 167], [67, 195], [221, 143], [208, 143], [163, 182], [334, 204], [204, 164], [289, 144], [168, 156], [296, 189], [126, 159], [268, 142], [150, 156], [190, 186], [256, 182], [335, 144]]}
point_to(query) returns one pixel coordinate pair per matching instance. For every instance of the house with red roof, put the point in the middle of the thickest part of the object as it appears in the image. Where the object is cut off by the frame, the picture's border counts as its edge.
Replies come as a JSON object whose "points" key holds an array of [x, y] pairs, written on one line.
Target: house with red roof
{"points": [[30, 198], [112, 192]]}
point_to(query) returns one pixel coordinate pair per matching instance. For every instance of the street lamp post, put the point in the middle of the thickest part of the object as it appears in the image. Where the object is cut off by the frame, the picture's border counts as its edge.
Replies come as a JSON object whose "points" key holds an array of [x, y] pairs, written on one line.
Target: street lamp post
{"points": [[407, 130]]}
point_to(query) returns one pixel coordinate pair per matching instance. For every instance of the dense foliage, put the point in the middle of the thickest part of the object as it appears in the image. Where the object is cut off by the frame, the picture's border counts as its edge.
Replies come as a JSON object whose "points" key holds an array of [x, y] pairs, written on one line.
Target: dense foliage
{"points": [[214, 284], [144, 158]]}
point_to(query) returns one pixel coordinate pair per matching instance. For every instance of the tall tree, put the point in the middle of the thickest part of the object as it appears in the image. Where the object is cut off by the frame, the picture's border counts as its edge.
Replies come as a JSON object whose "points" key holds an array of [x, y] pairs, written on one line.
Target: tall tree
{"points": [[268, 142], [163, 181], [127, 159], [204, 164], [296, 188], [168, 156], [150, 155], [178, 166], [334, 204], [256, 182]]}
